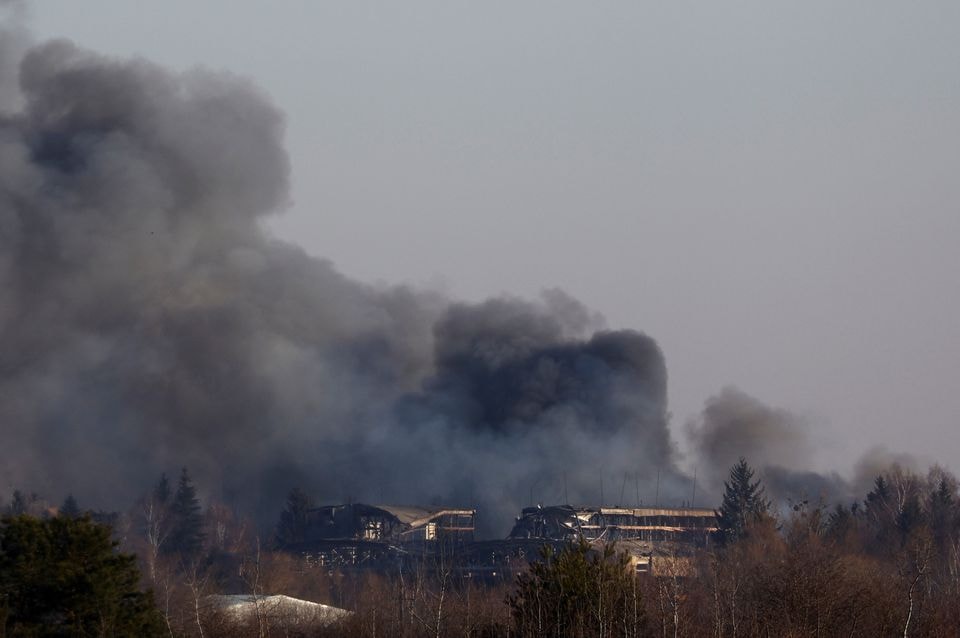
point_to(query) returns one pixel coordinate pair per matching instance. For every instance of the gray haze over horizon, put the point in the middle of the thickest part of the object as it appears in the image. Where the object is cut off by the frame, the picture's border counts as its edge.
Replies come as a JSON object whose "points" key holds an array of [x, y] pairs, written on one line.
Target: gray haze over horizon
{"points": [[767, 190]]}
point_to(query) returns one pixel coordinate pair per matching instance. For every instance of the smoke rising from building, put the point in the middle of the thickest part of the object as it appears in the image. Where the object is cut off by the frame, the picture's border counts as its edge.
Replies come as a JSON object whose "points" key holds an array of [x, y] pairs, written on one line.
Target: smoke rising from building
{"points": [[150, 322]]}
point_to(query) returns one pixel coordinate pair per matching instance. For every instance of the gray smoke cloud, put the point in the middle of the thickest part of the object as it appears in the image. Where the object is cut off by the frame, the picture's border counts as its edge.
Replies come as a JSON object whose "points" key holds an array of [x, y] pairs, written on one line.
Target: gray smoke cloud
{"points": [[734, 424], [776, 443], [513, 397], [149, 322], [14, 40], [878, 460]]}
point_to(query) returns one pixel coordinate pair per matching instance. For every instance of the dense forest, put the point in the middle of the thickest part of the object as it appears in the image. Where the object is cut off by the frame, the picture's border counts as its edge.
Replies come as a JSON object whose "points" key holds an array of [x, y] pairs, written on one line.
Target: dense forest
{"points": [[888, 564]]}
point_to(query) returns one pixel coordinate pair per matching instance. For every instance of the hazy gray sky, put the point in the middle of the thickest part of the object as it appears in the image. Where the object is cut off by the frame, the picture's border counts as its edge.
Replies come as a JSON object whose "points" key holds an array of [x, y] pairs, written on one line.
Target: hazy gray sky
{"points": [[769, 189]]}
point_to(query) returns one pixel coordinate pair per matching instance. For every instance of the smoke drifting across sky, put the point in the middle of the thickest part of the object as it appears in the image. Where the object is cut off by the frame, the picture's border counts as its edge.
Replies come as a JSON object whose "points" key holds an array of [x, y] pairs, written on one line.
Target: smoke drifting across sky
{"points": [[777, 443], [149, 322]]}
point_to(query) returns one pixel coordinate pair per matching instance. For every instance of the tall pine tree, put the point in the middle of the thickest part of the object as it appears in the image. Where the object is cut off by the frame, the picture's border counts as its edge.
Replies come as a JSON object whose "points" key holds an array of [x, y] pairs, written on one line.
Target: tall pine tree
{"points": [[744, 503], [186, 535], [293, 519], [943, 515], [880, 512]]}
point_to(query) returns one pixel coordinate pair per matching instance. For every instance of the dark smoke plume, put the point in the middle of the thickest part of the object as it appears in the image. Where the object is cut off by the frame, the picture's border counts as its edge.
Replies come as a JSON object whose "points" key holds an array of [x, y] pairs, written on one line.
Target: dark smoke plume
{"points": [[734, 424], [776, 442], [149, 322]]}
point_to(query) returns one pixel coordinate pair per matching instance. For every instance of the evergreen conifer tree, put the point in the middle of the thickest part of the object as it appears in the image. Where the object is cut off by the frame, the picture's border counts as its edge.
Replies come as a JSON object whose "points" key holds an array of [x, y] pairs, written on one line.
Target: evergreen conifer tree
{"points": [[293, 519], [910, 515], [881, 514], [70, 509], [186, 537], [942, 513], [743, 503], [63, 577], [877, 503]]}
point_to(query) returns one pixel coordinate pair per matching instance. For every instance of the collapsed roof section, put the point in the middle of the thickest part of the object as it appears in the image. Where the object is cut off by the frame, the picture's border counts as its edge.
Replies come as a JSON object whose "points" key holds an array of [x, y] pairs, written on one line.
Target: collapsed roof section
{"points": [[654, 538], [392, 524], [650, 524]]}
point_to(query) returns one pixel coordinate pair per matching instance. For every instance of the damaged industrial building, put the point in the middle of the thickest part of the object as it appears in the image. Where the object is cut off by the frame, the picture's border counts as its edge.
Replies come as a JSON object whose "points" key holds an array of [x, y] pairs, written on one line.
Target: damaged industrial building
{"points": [[357, 535], [644, 533], [685, 526]]}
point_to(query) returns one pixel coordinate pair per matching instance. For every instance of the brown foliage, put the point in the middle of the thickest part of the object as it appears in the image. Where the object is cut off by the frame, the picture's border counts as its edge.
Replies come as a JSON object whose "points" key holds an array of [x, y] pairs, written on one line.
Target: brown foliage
{"points": [[889, 565]]}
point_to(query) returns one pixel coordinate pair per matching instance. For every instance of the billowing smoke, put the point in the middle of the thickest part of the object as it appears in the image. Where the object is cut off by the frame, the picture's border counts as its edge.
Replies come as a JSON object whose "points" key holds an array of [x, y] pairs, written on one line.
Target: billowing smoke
{"points": [[734, 425], [514, 396], [776, 442], [149, 322]]}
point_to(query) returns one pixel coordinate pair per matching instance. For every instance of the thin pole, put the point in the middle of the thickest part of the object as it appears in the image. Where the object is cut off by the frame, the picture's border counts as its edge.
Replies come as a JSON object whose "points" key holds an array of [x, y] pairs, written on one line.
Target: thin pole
{"points": [[636, 479], [601, 488], [656, 501], [693, 500], [623, 486], [566, 497]]}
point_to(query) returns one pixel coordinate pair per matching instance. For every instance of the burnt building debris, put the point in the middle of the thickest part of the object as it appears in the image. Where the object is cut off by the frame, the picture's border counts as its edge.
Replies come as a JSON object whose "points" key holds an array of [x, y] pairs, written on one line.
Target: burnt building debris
{"points": [[391, 524], [649, 535], [686, 525], [355, 534]]}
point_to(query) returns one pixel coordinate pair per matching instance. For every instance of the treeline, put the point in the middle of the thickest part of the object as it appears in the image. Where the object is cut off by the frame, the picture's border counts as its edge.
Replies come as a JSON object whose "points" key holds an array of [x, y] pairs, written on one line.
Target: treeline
{"points": [[888, 564]]}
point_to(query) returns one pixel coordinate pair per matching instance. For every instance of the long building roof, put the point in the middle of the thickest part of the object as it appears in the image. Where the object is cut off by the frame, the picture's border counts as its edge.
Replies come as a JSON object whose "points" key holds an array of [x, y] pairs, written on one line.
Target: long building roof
{"points": [[416, 516], [583, 511]]}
